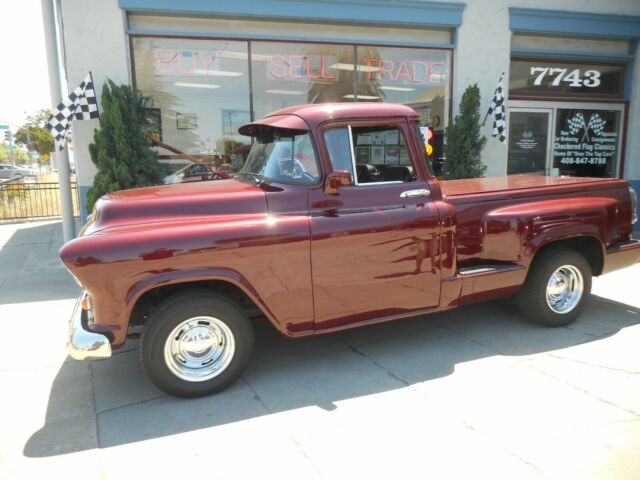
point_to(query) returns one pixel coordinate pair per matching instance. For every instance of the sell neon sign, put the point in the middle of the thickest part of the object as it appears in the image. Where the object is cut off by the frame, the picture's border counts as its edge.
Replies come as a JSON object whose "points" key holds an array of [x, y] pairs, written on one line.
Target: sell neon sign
{"points": [[301, 67]]}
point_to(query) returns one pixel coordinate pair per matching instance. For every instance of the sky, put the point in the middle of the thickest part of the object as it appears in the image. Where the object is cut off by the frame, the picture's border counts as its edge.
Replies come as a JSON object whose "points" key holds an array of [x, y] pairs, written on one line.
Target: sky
{"points": [[24, 79]]}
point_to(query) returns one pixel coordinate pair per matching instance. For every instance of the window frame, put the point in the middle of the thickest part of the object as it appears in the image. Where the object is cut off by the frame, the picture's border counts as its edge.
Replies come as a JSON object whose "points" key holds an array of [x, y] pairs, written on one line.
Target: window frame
{"points": [[400, 124]]}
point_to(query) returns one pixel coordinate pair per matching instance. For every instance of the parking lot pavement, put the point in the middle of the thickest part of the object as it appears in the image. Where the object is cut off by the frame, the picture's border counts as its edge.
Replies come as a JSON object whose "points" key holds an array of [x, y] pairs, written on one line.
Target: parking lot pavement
{"points": [[474, 393]]}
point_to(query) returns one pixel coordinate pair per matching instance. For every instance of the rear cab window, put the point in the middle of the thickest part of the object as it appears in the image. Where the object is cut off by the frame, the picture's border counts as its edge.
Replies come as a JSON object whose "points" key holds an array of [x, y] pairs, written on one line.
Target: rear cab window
{"points": [[375, 154]]}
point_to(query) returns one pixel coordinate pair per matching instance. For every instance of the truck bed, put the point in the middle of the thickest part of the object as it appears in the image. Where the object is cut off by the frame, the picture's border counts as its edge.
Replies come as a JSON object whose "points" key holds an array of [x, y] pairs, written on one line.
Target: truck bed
{"points": [[498, 217], [452, 188]]}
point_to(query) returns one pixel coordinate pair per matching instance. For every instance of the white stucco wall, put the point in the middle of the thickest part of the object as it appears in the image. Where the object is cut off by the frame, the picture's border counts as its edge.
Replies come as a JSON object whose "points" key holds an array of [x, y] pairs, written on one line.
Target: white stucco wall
{"points": [[94, 40], [483, 47]]}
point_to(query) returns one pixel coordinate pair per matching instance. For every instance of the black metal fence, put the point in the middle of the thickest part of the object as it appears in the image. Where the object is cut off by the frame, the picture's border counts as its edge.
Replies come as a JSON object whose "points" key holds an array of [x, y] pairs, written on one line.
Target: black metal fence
{"points": [[22, 200]]}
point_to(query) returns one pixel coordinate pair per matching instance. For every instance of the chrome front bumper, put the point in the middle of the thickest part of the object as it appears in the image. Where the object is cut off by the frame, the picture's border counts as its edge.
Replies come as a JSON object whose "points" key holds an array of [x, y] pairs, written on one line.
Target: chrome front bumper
{"points": [[83, 344]]}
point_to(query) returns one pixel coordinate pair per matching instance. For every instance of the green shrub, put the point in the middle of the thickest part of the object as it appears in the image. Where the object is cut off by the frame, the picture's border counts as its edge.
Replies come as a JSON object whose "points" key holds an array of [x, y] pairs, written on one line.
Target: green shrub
{"points": [[464, 142], [121, 148]]}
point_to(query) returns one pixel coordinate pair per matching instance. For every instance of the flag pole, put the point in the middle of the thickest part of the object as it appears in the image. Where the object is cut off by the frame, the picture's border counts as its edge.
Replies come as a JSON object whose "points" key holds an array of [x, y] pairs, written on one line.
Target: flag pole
{"points": [[55, 87]]}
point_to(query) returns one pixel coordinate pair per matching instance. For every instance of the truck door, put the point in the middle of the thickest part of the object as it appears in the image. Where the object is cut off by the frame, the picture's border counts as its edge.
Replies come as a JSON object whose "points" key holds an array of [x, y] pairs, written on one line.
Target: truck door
{"points": [[374, 244]]}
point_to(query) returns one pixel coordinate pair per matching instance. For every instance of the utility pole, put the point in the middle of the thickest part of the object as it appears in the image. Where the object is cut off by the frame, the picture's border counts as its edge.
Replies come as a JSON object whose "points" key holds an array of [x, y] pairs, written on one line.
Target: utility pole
{"points": [[57, 94]]}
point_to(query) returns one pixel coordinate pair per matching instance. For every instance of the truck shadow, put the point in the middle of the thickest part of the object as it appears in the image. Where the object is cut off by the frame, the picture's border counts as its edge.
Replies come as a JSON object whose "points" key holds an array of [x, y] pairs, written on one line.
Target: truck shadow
{"points": [[317, 372]]}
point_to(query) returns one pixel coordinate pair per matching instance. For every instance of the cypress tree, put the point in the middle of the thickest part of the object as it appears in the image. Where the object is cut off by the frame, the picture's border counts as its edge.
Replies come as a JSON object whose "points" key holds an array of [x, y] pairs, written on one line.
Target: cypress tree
{"points": [[464, 142], [121, 148]]}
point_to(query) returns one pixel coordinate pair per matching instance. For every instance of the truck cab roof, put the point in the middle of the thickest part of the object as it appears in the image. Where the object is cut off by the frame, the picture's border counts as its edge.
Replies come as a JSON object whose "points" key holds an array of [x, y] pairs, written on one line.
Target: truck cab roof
{"points": [[307, 117]]}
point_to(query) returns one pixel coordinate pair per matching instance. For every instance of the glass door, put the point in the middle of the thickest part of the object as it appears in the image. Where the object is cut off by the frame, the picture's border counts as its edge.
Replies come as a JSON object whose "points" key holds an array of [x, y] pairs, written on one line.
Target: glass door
{"points": [[582, 139], [529, 141]]}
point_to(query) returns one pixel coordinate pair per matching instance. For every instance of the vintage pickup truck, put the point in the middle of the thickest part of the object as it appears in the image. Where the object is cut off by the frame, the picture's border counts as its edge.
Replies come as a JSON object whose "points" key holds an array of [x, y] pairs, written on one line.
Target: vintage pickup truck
{"points": [[317, 236]]}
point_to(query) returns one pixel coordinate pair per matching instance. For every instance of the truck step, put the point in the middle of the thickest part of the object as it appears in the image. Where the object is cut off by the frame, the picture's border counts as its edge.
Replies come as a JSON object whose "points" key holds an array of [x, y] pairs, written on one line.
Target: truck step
{"points": [[488, 269]]}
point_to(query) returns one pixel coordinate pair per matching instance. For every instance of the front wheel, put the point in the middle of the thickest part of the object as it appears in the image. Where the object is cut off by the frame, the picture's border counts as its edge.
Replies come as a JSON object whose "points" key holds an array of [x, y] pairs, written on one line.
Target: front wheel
{"points": [[196, 343], [557, 288]]}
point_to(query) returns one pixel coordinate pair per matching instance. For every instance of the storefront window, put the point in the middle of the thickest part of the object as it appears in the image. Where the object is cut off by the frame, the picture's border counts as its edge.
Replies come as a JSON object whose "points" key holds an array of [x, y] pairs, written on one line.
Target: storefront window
{"points": [[287, 74], [418, 78], [204, 90], [200, 92], [586, 142]]}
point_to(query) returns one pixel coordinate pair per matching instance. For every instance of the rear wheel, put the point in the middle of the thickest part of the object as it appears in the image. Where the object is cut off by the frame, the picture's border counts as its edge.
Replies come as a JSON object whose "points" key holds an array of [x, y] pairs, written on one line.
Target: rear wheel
{"points": [[557, 287], [196, 343]]}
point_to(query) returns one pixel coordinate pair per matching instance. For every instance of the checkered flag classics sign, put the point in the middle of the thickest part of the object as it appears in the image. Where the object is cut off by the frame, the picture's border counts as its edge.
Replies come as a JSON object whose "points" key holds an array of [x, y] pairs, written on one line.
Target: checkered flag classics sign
{"points": [[576, 123], [81, 105], [498, 110]]}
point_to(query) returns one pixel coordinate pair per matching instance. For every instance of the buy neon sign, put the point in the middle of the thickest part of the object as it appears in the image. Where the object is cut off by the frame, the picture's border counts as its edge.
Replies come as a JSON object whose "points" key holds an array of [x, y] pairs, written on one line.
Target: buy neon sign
{"points": [[184, 62]]}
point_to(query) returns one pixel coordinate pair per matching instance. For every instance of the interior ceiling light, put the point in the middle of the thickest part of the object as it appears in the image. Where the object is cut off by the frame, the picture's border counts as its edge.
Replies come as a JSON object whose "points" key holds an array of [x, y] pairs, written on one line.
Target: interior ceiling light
{"points": [[286, 92], [195, 85], [216, 73], [398, 89]]}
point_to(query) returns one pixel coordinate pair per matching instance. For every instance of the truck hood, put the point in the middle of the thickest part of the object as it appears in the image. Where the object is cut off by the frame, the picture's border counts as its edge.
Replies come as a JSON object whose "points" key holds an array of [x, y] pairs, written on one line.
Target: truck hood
{"points": [[176, 203]]}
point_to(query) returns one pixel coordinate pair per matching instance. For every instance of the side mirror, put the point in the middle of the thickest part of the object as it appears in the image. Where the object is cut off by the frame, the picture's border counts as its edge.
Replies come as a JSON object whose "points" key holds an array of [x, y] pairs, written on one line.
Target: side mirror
{"points": [[336, 179]]}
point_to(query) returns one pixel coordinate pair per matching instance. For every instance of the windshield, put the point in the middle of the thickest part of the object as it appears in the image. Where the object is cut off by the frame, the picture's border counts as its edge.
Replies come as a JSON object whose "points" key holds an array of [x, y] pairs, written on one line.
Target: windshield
{"points": [[283, 157]]}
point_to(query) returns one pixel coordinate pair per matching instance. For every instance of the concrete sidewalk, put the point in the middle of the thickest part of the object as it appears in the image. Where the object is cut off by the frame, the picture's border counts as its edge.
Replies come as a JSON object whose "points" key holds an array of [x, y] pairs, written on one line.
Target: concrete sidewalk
{"points": [[475, 393]]}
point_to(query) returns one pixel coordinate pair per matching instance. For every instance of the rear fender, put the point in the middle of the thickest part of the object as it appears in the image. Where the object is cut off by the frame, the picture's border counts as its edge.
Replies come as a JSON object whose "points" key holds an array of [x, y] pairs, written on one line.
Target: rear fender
{"points": [[516, 232]]}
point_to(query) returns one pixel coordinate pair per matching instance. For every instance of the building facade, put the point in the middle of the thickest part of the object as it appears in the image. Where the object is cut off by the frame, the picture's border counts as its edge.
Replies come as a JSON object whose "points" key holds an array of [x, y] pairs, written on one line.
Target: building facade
{"points": [[571, 72]]}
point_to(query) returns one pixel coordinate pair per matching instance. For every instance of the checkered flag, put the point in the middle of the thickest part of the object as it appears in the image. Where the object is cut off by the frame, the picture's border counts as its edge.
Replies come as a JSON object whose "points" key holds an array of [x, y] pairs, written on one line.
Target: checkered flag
{"points": [[499, 112], [577, 123], [81, 105], [596, 124]]}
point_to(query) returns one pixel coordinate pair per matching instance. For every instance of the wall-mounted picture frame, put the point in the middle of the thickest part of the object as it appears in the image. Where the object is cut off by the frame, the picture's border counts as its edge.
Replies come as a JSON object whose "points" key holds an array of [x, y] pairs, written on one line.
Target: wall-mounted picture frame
{"points": [[392, 155], [364, 139], [404, 156], [232, 120], [186, 121], [377, 138], [377, 155], [363, 154], [392, 136]]}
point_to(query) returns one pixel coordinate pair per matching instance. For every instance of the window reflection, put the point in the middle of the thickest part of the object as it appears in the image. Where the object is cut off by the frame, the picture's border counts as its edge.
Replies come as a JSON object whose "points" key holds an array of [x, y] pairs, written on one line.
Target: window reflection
{"points": [[418, 78], [200, 92], [284, 74]]}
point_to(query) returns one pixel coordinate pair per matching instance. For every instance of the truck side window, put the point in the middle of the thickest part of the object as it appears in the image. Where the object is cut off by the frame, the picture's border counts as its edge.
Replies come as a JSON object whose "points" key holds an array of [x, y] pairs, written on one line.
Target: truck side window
{"points": [[381, 153]]}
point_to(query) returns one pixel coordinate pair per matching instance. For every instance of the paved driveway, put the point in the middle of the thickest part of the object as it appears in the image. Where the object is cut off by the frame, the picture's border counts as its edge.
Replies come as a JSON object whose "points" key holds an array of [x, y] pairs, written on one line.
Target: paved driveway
{"points": [[475, 393]]}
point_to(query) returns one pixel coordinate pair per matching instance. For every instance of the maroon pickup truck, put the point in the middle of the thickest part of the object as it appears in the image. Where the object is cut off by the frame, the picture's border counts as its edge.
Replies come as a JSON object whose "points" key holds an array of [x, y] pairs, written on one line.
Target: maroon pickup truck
{"points": [[335, 221]]}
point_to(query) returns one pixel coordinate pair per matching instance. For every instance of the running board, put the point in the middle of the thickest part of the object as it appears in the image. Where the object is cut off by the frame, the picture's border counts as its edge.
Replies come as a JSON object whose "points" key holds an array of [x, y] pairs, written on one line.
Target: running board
{"points": [[488, 269]]}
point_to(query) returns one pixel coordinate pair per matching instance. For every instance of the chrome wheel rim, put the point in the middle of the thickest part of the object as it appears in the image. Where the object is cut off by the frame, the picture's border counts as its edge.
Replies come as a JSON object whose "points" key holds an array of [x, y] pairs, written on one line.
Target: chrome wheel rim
{"points": [[199, 349], [564, 289]]}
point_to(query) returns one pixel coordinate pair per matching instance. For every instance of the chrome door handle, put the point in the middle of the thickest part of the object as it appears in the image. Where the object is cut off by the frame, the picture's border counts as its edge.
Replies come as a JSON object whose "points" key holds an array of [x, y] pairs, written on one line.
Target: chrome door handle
{"points": [[423, 192]]}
